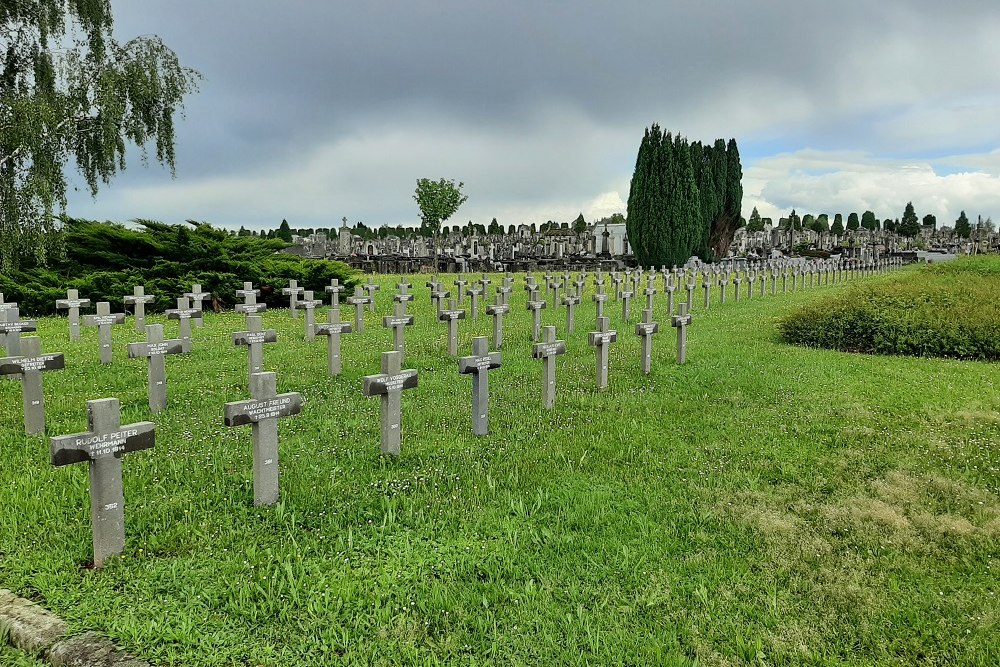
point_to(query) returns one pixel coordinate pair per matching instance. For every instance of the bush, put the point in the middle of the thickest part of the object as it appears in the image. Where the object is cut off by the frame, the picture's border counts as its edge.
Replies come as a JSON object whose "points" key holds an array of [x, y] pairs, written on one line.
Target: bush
{"points": [[104, 261], [943, 310]]}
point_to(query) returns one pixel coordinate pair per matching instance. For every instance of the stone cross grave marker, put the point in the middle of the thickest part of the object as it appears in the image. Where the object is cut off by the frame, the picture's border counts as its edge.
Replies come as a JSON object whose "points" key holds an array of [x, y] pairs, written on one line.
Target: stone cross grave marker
{"points": [[571, 300], [650, 291], [254, 338], [398, 322], [292, 292], [138, 299], [332, 330], [485, 283], [706, 284], [154, 350], [72, 304], [763, 281], [249, 306], [440, 298], [616, 281], [29, 366], [474, 293], [670, 286], [547, 350], [499, 308], [452, 316], [11, 328], [103, 321], [691, 284], [535, 305], [636, 281], [358, 301], [601, 340], [403, 296], [102, 447], [479, 365], [626, 295], [645, 331], [390, 386], [460, 284], [599, 298], [435, 287], [198, 297], [681, 322], [371, 287], [751, 277], [505, 289], [784, 280], [309, 304], [262, 412], [581, 284], [722, 279], [554, 286], [334, 289], [737, 281], [4, 307], [184, 313]]}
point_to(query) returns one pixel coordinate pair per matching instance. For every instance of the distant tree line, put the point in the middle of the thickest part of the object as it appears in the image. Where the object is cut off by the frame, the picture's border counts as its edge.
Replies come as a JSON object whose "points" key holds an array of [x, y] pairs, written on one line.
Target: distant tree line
{"points": [[909, 225]]}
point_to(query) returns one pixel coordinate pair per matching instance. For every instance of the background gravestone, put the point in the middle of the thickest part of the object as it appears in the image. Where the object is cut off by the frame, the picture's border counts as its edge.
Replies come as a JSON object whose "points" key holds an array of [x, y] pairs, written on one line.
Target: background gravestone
{"points": [[30, 366]]}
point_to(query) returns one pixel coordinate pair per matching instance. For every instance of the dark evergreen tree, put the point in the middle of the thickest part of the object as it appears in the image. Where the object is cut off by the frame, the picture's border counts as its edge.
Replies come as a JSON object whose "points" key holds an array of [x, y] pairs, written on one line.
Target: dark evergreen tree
{"points": [[909, 226], [838, 225], [284, 232], [852, 222], [963, 228], [511, 230], [930, 220], [755, 223], [579, 225], [869, 221]]}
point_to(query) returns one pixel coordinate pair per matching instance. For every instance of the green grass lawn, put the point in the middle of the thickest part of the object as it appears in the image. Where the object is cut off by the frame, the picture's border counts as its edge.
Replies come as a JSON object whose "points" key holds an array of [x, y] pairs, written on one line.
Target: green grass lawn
{"points": [[762, 504]]}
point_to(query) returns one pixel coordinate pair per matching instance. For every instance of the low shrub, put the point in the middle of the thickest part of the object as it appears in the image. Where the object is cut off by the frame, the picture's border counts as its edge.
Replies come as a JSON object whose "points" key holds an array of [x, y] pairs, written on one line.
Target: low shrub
{"points": [[941, 310]]}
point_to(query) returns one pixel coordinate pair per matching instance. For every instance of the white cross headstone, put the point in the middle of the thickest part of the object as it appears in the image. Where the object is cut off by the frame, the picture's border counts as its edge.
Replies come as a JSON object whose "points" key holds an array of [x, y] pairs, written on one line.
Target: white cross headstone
{"points": [[390, 386], [103, 321], [154, 350]]}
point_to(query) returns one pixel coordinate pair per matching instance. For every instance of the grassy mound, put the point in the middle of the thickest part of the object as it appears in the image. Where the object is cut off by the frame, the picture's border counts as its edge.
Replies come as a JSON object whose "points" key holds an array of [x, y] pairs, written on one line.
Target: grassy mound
{"points": [[940, 310]]}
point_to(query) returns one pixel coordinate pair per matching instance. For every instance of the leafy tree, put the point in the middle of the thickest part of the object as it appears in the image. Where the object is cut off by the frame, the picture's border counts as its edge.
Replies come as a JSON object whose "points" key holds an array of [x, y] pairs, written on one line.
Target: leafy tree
{"points": [[438, 201], [533, 229], [284, 232], [494, 227], [70, 91], [579, 225], [962, 226], [869, 221], [930, 220], [909, 225], [852, 222], [889, 225], [838, 225], [808, 220], [755, 223], [821, 224]]}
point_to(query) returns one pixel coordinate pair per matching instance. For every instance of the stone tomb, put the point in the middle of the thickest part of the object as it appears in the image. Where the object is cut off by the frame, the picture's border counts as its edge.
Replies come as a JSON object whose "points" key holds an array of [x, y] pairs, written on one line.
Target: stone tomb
{"points": [[390, 386], [11, 328], [479, 365], [601, 341], [154, 350], [332, 329], [103, 321], [72, 304], [254, 338], [184, 313], [138, 300], [29, 366], [262, 412], [309, 304], [547, 351], [681, 322], [452, 315], [645, 330], [398, 322], [102, 447], [198, 298], [292, 292]]}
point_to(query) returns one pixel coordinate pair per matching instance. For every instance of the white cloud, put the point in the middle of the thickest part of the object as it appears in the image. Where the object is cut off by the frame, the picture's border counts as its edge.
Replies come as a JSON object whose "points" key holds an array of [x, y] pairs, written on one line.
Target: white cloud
{"points": [[843, 182]]}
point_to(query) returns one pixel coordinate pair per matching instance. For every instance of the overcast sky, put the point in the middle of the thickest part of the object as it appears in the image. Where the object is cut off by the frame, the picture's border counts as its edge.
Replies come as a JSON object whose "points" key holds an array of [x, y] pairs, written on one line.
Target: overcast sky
{"points": [[312, 110]]}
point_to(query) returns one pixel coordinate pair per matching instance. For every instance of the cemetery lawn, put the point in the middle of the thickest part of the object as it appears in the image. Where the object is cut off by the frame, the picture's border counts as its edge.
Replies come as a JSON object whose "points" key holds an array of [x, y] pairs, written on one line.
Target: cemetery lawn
{"points": [[762, 504]]}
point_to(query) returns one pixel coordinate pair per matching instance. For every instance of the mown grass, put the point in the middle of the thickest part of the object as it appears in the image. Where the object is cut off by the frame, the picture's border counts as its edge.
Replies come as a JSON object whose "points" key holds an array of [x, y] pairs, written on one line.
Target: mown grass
{"points": [[946, 310], [762, 504]]}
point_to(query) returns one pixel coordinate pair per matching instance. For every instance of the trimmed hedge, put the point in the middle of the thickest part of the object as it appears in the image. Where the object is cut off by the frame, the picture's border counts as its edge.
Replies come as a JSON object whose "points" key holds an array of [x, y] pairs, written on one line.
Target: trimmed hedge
{"points": [[104, 261], [942, 310]]}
